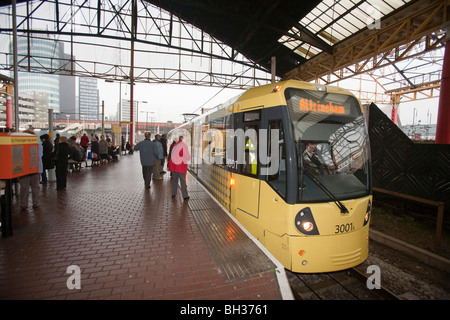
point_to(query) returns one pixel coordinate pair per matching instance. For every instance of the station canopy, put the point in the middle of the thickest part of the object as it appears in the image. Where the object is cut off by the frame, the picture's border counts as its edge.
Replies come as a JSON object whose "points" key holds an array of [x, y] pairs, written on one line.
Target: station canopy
{"points": [[397, 44], [293, 31]]}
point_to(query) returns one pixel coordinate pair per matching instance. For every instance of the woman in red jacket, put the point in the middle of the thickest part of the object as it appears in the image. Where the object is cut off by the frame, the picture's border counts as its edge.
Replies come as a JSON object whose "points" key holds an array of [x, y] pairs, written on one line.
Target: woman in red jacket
{"points": [[178, 166]]}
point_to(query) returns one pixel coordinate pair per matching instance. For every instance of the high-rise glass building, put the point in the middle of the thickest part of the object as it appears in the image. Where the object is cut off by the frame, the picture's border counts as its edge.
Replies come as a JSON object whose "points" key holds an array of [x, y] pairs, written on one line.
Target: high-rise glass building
{"points": [[30, 82], [88, 99]]}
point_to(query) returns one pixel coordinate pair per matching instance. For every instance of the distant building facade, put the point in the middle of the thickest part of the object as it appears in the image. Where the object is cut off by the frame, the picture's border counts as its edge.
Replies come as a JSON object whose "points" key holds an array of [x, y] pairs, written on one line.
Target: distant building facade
{"points": [[30, 82], [88, 97]]}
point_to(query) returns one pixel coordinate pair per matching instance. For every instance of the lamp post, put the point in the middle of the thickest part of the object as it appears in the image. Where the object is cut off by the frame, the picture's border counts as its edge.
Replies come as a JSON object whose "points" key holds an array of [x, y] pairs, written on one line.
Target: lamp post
{"points": [[82, 119], [137, 113], [146, 118]]}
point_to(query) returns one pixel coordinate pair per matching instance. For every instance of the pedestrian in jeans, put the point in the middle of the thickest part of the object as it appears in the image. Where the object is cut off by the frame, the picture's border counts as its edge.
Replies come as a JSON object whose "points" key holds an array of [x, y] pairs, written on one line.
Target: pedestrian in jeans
{"points": [[178, 166], [31, 180], [148, 154], [157, 166]]}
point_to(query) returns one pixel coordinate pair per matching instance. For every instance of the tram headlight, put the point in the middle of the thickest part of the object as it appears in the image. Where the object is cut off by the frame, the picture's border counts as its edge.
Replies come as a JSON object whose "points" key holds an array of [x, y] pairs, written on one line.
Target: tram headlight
{"points": [[308, 226], [368, 212], [304, 222]]}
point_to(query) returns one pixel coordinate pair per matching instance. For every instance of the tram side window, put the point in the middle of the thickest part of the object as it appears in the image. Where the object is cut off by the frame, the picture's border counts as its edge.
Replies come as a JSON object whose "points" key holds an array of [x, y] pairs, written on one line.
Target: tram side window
{"points": [[277, 180], [215, 141], [251, 150]]}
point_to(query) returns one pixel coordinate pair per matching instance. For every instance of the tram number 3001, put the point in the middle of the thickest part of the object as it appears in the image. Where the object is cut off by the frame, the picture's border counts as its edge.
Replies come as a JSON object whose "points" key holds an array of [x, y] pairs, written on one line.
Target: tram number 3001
{"points": [[341, 228]]}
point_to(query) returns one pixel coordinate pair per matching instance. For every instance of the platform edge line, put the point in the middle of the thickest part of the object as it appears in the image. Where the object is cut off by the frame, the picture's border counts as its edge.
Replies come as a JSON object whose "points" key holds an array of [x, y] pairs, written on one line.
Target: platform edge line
{"points": [[283, 282]]}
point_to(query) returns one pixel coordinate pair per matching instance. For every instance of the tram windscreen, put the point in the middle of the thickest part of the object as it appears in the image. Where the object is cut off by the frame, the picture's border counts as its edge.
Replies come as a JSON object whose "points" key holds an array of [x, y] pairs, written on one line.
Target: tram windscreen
{"points": [[332, 145]]}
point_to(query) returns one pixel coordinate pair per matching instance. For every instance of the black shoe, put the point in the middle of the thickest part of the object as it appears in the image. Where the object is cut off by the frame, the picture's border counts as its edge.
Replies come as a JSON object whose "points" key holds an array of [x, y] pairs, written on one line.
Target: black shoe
{"points": [[187, 198], [173, 196]]}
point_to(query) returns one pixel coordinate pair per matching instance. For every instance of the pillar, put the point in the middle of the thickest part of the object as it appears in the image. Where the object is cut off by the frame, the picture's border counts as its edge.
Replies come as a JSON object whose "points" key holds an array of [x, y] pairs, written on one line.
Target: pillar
{"points": [[443, 117], [395, 104], [51, 172], [9, 113]]}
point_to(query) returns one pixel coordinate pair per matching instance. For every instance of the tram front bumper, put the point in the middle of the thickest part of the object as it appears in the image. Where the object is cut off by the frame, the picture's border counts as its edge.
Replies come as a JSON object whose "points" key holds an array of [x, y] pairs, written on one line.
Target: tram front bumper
{"points": [[313, 254]]}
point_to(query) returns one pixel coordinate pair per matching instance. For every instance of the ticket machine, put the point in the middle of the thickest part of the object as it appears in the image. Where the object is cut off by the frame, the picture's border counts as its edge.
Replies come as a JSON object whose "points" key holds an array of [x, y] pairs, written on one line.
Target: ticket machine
{"points": [[18, 157]]}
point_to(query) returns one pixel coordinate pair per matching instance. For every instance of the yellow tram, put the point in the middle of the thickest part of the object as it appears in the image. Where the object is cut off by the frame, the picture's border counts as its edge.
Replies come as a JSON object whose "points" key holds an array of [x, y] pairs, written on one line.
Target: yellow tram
{"points": [[291, 162]]}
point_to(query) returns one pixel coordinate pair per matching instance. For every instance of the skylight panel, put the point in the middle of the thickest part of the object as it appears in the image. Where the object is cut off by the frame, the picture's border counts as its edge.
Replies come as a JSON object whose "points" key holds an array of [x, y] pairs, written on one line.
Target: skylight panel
{"points": [[289, 42], [349, 26], [307, 51], [339, 9], [329, 38], [338, 32], [347, 4], [362, 16], [335, 20], [353, 20], [382, 7], [322, 7], [314, 27], [396, 3], [319, 24]]}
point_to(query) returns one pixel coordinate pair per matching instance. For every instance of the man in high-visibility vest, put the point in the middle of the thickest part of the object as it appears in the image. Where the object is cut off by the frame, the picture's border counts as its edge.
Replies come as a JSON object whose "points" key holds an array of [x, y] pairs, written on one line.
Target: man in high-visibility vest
{"points": [[251, 149]]}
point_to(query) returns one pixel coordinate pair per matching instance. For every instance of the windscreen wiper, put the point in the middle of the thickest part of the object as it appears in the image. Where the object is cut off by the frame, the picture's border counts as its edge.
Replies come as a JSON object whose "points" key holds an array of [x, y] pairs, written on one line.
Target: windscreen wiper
{"points": [[339, 204]]}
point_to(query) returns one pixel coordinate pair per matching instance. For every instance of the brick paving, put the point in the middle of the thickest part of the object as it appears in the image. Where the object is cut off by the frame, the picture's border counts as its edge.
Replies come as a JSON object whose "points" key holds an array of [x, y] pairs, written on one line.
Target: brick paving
{"points": [[129, 243]]}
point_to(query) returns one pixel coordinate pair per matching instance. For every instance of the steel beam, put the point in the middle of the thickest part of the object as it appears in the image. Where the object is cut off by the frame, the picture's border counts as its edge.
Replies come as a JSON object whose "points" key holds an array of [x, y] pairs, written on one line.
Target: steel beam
{"points": [[399, 33], [157, 33]]}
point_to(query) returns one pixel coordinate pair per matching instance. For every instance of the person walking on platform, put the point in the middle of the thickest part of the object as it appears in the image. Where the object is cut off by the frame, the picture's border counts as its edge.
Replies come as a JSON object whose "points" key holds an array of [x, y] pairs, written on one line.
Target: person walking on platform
{"points": [[170, 153], [148, 154], [178, 166], [157, 166], [62, 154], [31, 180], [164, 145], [84, 142]]}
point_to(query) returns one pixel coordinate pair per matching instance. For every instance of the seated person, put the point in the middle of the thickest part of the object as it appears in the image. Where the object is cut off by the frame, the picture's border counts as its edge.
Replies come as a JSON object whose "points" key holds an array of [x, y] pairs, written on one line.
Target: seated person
{"points": [[113, 151], [129, 148], [312, 160]]}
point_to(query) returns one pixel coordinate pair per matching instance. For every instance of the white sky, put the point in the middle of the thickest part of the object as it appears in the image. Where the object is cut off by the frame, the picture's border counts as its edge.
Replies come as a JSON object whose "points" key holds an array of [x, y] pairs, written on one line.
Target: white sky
{"points": [[426, 111], [167, 101]]}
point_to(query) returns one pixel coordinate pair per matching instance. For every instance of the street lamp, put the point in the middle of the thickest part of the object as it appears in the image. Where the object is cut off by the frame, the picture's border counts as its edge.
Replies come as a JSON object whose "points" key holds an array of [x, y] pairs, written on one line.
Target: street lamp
{"points": [[146, 119], [82, 119], [137, 117]]}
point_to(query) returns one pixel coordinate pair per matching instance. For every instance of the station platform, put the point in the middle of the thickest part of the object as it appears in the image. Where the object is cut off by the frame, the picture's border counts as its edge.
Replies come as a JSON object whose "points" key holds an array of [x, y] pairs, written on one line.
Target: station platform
{"points": [[132, 243]]}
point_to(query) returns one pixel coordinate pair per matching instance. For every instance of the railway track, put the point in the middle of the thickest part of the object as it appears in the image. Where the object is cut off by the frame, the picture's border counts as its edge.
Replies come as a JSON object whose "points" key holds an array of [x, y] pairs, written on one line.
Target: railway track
{"points": [[349, 284]]}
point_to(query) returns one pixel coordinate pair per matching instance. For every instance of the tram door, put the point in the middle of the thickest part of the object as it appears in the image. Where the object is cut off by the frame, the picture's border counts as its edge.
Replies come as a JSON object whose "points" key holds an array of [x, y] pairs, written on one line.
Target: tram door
{"points": [[274, 176], [247, 199]]}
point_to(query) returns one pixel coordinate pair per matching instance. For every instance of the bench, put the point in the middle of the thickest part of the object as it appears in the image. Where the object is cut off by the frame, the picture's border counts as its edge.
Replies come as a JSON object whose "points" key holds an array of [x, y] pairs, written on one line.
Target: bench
{"points": [[76, 165]]}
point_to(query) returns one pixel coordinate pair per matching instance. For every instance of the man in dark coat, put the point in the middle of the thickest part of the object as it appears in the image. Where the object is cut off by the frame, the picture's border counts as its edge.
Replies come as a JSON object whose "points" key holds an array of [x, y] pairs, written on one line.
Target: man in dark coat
{"points": [[62, 153], [47, 150]]}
